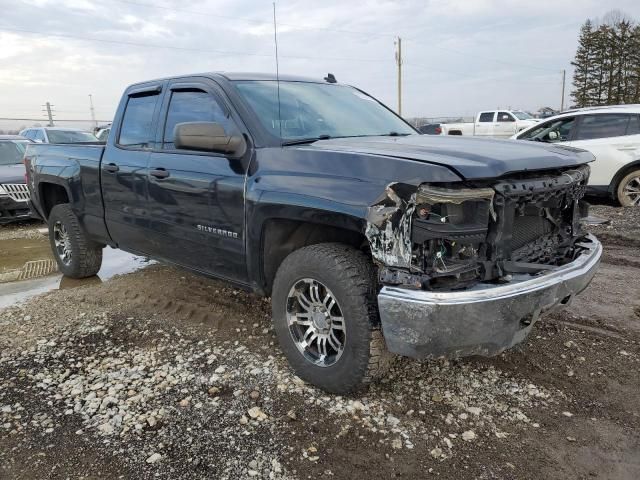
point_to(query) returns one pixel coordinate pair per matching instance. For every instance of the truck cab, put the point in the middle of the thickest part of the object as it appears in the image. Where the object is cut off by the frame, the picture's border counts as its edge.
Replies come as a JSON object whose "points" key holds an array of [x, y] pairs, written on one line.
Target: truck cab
{"points": [[492, 123]]}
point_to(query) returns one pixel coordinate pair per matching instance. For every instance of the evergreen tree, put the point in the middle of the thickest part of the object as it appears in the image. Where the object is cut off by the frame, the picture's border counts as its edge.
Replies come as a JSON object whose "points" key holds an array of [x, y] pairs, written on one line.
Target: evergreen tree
{"points": [[582, 64], [607, 62]]}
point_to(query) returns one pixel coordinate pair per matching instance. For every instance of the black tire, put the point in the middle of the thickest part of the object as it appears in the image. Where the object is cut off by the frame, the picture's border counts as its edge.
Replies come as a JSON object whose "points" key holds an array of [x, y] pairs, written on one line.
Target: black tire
{"points": [[349, 276], [84, 256]]}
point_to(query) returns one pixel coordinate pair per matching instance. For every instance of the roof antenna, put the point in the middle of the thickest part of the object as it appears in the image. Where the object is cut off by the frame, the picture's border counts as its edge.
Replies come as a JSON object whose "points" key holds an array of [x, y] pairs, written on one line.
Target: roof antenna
{"points": [[275, 39], [330, 78]]}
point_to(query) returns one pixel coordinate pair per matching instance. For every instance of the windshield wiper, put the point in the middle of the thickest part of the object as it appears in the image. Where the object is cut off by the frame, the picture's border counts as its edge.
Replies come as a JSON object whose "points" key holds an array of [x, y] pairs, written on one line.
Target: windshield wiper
{"points": [[394, 134], [302, 141]]}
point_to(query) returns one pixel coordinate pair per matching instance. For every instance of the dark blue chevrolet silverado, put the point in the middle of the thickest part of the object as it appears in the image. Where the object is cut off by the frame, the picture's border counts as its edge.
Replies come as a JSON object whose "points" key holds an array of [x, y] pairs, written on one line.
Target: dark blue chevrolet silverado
{"points": [[371, 239]]}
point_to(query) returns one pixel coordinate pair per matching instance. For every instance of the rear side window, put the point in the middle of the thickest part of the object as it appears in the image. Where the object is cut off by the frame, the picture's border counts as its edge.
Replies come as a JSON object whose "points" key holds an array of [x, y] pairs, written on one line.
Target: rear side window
{"points": [[602, 126], [634, 125], [137, 122], [486, 117], [192, 106]]}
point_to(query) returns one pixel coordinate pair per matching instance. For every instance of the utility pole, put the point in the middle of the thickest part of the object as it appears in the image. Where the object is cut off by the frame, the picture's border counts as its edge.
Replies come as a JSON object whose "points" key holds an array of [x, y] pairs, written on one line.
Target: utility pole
{"points": [[564, 72], [93, 112], [49, 114], [399, 64]]}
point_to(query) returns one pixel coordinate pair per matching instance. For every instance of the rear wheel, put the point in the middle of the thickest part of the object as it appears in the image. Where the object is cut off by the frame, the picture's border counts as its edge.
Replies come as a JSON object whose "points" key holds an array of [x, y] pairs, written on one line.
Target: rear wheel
{"points": [[325, 317], [77, 256], [628, 191]]}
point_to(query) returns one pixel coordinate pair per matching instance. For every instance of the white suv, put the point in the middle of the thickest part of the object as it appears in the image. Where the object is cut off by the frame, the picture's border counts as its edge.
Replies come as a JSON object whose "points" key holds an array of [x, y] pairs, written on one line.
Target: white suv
{"points": [[612, 134]]}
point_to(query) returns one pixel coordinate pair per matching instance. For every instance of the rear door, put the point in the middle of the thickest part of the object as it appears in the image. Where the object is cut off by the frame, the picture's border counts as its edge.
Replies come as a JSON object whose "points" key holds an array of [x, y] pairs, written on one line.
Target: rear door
{"points": [[484, 125], [505, 125], [197, 197], [614, 139], [124, 168]]}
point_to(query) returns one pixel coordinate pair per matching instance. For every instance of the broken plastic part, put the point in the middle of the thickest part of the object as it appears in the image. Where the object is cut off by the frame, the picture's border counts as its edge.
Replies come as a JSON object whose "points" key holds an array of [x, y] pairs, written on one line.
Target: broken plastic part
{"points": [[435, 195], [389, 228]]}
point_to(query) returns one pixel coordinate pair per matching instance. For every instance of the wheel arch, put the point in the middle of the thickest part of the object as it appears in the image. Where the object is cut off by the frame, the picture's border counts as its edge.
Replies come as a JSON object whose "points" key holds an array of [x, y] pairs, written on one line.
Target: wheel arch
{"points": [[278, 236], [620, 174], [52, 194]]}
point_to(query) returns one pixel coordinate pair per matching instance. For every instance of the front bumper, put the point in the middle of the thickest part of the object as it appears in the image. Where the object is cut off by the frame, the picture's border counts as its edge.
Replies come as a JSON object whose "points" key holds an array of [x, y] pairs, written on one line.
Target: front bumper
{"points": [[483, 320], [10, 210]]}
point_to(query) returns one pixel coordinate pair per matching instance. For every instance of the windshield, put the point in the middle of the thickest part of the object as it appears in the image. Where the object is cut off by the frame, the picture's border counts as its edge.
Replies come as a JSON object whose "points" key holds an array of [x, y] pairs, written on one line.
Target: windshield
{"points": [[522, 115], [312, 110], [12, 152], [70, 136]]}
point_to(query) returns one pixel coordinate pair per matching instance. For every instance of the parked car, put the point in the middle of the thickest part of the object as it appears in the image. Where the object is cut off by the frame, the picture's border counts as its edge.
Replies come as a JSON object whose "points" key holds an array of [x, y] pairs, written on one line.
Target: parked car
{"points": [[612, 134], [368, 237], [430, 129], [58, 135], [14, 194], [492, 123]]}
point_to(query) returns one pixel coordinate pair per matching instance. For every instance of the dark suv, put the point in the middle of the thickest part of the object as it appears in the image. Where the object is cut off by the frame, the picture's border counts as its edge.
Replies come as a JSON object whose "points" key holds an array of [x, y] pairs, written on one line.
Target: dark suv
{"points": [[14, 193]]}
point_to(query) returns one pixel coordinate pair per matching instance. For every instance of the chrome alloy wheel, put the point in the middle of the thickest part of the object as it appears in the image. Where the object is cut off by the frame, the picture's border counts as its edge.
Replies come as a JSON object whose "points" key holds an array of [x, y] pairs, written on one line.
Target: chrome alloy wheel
{"points": [[62, 243], [632, 190], [315, 322]]}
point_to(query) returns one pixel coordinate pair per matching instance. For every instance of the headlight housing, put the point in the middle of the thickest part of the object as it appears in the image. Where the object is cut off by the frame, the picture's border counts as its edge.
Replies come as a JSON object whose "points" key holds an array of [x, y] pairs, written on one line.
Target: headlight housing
{"points": [[449, 228], [456, 214]]}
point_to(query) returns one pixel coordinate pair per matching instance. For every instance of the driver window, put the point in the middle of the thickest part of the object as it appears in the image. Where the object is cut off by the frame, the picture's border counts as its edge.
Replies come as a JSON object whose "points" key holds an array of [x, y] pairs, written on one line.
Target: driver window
{"points": [[552, 132], [193, 106], [505, 117]]}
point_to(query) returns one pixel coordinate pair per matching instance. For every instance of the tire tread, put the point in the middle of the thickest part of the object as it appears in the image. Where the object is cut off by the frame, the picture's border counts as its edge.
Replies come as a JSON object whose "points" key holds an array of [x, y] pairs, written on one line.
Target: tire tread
{"points": [[89, 253]]}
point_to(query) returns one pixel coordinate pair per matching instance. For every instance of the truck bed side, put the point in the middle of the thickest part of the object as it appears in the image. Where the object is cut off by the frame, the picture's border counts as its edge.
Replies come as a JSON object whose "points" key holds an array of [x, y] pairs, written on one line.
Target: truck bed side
{"points": [[465, 128], [68, 174]]}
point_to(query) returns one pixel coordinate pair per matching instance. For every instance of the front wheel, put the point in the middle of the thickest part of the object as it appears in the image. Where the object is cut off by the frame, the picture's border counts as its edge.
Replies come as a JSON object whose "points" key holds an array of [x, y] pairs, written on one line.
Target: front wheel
{"points": [[628, 191], [76, 255], [325, 316]]}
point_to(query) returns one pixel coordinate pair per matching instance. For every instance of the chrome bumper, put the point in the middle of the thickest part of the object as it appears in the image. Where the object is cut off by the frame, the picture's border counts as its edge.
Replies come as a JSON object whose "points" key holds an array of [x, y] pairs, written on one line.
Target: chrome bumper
{"points": [[483, 320]]}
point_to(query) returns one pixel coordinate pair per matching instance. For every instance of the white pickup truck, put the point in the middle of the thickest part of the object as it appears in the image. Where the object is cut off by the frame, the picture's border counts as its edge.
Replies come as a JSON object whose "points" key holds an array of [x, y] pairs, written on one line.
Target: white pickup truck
{"points": [[492, 123]]}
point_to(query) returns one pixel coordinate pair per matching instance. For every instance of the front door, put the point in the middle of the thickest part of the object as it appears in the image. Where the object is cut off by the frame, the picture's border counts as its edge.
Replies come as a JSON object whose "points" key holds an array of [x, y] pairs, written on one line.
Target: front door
{"points": [[124, 170], [505, 125], [196, 198]]}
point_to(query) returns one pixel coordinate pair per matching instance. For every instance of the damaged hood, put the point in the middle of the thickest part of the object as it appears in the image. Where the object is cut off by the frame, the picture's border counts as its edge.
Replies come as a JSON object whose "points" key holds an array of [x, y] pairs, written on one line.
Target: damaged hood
{"points": [[469, 157]]}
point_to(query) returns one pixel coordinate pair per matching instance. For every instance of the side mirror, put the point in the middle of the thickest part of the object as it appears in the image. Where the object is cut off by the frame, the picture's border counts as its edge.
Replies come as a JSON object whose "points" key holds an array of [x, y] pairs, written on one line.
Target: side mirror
{"points": [[208, 137], [553, 135]]}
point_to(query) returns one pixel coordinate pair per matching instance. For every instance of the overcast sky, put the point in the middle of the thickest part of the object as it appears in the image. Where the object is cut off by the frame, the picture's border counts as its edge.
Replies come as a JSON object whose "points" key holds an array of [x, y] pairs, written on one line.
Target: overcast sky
{"points": [[460, 56]]}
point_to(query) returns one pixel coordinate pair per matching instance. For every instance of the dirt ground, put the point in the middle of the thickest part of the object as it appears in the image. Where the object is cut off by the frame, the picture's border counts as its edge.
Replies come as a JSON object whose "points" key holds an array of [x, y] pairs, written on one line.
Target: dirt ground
{"points": [[163, 374]]}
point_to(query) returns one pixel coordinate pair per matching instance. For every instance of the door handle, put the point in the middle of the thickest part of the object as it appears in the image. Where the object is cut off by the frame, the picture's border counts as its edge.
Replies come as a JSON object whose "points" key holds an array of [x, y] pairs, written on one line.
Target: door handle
{"points": [[111, 168], [159, 173]]}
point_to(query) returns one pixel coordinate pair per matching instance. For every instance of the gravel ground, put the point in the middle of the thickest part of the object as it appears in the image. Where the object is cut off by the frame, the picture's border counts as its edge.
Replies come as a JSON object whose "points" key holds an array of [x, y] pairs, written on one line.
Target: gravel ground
{"points": [[161, 374], [25, 229]]}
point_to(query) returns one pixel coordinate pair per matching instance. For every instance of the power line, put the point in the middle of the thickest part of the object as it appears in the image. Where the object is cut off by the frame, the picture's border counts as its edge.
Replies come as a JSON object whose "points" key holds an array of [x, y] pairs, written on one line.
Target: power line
{"points": [[220, 53], [495, 60], [466, 75], [254, 22], [307, 27]]}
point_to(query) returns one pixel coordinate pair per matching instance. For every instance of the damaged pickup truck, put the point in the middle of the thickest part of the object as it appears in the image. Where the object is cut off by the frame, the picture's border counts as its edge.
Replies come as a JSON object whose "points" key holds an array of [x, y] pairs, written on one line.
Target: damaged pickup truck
{"points": [[371, 239]]}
